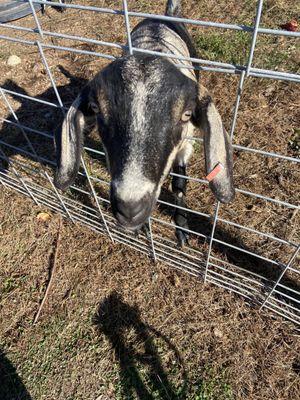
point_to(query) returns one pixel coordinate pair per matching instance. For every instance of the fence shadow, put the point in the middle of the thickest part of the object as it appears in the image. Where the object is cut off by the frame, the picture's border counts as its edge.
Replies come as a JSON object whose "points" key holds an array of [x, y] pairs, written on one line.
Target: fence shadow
{"points": [[248, 262], [114, 318], [11, 386], [48, 119]]}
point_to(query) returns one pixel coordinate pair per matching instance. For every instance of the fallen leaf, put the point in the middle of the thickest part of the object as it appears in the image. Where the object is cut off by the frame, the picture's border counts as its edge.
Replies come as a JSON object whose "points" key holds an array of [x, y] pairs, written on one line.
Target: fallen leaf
{"points": [[291, 26]]}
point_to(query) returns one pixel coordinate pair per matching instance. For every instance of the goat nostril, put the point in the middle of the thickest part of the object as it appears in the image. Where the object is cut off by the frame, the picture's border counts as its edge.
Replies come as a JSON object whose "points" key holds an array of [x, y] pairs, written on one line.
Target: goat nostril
{"points": [[129, 210]]}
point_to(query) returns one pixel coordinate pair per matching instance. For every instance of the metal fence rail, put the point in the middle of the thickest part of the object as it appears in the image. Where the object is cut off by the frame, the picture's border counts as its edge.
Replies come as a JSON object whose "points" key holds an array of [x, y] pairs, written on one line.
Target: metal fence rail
{"points": [[273, 285]]}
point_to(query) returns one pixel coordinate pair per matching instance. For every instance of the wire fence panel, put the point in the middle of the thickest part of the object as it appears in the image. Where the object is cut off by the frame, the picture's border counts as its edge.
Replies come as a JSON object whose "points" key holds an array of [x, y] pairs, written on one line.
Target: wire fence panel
{"points": [[227, 248]]}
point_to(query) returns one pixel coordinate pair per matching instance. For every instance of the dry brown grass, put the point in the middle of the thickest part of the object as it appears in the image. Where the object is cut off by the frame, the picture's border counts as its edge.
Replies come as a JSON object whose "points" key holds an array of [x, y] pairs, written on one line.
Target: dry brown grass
{"points": [[223, 348], [196, 333]]}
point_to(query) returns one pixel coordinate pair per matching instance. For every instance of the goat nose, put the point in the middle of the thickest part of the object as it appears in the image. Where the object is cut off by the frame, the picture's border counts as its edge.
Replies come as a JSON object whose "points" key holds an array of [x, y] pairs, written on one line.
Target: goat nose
{"points": [[132, 214], [129, 210]]}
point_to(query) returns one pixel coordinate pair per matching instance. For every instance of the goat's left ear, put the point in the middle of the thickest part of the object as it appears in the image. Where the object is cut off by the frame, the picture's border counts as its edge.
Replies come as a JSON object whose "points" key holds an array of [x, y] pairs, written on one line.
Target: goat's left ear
{"points": [[69, 141], [217, 147]]}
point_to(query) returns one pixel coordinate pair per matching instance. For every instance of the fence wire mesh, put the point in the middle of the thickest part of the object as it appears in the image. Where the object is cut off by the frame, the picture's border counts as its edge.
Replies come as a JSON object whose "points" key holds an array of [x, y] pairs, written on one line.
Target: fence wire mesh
{"points": [[250, 259]]}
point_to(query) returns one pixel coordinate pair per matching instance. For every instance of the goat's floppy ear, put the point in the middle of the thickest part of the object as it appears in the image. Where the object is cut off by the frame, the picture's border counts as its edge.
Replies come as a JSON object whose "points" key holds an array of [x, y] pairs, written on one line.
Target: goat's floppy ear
{"points": [[217, 147], [69, 141]]}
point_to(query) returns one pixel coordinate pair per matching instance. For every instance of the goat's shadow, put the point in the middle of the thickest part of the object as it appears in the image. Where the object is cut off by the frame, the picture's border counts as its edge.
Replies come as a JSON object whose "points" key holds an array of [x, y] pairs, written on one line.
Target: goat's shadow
{"points": [[11, 385], [141, 371], [48, 119]]}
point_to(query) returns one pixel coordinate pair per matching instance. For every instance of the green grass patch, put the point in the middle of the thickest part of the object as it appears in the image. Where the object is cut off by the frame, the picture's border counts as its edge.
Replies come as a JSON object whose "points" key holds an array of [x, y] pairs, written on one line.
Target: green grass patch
{"points": [[272, 53], [277, 53], [214, 386], [230, 47]]}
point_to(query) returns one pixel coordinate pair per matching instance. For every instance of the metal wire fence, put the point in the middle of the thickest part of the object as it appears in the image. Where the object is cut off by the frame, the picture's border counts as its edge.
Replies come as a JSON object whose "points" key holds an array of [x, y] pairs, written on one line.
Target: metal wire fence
{"points": [[263, 279]]}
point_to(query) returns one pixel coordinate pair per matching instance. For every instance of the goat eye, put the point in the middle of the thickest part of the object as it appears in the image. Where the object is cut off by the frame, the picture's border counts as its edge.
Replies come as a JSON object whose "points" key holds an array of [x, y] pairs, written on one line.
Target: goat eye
{"points": [[94, 107], [186, 116]]}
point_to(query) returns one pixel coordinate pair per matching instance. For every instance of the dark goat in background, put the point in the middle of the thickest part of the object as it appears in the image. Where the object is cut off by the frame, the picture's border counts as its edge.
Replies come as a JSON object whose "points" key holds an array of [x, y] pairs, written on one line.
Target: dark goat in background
{"points": [[146, 109]]}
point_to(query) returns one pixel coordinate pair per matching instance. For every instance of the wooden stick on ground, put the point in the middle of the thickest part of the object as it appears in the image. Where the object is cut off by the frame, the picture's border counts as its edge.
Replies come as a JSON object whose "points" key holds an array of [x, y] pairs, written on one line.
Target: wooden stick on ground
{"points": [[52, 272]]}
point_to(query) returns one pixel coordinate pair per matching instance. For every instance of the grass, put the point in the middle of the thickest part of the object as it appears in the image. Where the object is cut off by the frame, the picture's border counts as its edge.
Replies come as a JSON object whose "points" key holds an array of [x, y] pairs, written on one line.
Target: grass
{"points": [[215, 387], [160, 332], [234, 48], [52, 346], [227, 47], [277, 53]]}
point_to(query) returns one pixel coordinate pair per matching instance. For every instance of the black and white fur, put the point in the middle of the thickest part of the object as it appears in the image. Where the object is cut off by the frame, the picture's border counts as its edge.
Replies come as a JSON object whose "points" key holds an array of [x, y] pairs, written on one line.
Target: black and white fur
{"points": [[145, 107]]}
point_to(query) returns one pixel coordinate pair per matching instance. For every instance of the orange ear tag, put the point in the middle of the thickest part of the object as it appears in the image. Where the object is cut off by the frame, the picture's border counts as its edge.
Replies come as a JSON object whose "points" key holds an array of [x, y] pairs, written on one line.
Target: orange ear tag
{"points": [[218, 168]]}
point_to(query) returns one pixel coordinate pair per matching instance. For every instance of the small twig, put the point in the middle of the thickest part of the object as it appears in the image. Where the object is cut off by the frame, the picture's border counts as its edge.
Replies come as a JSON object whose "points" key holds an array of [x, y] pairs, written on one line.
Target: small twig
{"points": [[52, 272]]}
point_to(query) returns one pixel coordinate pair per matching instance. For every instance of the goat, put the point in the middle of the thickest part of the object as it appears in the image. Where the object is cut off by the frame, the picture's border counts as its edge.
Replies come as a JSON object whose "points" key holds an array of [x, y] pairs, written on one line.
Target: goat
{"points": [[146, 109]]}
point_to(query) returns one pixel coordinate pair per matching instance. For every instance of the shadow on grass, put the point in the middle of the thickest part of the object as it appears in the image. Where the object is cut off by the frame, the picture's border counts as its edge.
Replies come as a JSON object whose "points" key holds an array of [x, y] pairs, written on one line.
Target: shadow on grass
{"points": [[38, 118], [11, 386], [114, 319]]}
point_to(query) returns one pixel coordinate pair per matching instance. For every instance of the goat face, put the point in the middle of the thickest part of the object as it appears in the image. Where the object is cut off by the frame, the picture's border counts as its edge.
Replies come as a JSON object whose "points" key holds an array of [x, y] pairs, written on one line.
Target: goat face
{"points": [[142, 105]]}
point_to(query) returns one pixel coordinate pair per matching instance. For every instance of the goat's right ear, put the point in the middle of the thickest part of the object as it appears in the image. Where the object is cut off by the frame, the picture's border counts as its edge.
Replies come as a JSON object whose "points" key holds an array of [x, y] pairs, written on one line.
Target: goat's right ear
{"points": [[69, 141]]}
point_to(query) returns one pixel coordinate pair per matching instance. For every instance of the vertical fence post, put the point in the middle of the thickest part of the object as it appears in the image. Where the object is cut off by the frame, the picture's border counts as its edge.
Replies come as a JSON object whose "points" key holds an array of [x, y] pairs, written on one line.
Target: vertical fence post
{"points": [[237, 104], [36, 19], [234, 119], [254, 36], [127, 23], [50, 76], [211, 240], [151, 240], [82, 160]]}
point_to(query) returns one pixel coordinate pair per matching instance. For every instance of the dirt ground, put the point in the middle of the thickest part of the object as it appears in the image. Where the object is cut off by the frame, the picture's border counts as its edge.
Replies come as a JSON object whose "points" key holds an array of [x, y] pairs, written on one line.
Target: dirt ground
{"points": [[115, 325]]}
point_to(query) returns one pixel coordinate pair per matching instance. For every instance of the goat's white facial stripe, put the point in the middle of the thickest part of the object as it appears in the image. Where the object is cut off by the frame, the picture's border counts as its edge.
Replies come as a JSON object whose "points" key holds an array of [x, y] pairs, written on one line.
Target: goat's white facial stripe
{"points": [[138, 106], [133, 185]]}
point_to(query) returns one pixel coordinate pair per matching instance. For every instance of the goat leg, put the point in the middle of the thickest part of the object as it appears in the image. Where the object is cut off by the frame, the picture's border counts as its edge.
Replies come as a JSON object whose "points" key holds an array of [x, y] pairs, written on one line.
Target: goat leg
{"points": [[145, 230], [180, 215]]}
